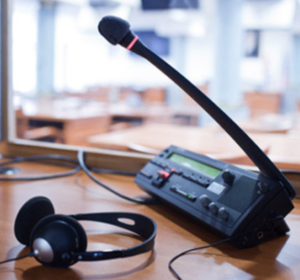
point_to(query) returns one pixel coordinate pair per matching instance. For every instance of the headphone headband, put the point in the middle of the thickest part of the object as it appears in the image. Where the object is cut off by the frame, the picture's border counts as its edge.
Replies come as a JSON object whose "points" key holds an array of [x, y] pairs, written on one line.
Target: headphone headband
{"points": [[140, 224], [60, 240]]}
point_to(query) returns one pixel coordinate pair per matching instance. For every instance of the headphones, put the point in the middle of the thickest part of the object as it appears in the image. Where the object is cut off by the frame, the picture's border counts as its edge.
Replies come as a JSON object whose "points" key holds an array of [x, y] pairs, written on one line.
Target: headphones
{"points": [[60, 240]]}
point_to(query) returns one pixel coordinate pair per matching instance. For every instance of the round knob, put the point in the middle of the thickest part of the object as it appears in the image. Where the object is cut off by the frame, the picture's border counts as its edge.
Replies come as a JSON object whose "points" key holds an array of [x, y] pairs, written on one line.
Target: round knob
{"points": [[213, 208], [223, 213], [228, 177], [204, 200]]}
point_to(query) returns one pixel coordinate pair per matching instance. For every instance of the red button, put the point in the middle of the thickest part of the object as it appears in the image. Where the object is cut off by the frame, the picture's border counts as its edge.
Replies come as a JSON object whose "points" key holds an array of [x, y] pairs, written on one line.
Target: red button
{"points": [[163, 174]]}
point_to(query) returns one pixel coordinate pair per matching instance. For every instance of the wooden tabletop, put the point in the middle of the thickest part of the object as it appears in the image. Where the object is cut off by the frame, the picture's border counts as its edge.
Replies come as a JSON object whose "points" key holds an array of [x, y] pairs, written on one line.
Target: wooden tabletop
{"points": [[278, 258]]}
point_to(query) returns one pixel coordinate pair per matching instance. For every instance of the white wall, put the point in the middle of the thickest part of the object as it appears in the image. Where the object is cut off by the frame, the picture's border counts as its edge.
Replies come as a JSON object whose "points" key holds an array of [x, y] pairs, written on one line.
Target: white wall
{"points": [[83, 58]]}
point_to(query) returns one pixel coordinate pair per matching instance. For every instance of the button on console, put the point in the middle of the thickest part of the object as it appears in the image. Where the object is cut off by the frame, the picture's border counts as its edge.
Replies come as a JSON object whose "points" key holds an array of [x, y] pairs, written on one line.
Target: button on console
{"points": [[204, 200], [146, 174], [213, 208], [223, 213], [228, 177], [163, 174], [158, 182]]}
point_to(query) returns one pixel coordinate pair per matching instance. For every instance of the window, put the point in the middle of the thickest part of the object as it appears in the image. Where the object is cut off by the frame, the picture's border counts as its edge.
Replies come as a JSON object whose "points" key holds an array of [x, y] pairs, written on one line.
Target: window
{"points": [[66, 88]]}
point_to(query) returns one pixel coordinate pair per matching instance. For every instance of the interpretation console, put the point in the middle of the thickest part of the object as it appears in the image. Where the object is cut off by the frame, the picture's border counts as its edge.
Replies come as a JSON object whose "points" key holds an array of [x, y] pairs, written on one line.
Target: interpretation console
{"points": [[228, 200], [242, 205]]}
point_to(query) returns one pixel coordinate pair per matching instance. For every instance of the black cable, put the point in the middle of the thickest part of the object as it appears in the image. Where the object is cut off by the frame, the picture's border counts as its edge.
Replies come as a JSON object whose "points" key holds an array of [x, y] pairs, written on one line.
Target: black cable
{"points": [[62, 158], [42, 158], [80, 157], [17, 258], [8, 156], [39, 158], [191, 250], [287, 171], [45, 177], [68, 162], [115, 172]]}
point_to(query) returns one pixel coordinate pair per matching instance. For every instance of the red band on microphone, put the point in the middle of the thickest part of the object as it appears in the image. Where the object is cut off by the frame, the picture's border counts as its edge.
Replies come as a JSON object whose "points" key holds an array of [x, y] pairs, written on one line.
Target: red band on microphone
{"points": [[132, 43]]}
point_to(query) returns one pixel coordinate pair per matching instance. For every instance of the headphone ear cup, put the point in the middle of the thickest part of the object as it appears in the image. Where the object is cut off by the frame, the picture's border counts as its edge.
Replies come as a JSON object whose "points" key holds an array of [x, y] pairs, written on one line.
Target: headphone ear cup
{"points": [[29, 215], [55, 238]]}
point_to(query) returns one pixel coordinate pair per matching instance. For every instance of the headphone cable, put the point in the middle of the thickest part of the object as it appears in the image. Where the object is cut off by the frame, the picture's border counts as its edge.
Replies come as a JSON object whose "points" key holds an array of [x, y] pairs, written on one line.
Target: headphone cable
{"points": [[175, 274], [70, 162], [17, 258], [80, 157]]}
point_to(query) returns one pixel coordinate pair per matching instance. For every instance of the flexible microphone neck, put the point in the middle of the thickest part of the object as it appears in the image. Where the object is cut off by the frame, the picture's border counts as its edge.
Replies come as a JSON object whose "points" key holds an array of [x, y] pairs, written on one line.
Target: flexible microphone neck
{"points": [[130, 41]]}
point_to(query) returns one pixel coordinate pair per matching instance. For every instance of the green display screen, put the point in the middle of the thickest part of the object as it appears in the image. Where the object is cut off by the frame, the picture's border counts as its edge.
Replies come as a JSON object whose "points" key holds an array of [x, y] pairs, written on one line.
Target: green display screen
{"points": [[196, 165]]}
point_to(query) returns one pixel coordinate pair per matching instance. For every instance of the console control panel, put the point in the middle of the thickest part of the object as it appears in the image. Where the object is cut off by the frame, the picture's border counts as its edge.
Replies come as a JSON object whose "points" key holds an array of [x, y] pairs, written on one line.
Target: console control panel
{"points": [[221, 196]]}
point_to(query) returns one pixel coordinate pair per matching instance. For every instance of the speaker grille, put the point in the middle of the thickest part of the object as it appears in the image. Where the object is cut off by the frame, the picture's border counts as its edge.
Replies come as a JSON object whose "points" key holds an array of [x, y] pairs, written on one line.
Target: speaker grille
{"points": [[242, 195]]}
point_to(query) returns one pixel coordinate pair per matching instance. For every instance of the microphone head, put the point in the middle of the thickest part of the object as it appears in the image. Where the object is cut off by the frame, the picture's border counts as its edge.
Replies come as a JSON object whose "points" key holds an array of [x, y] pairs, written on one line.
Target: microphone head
{"points": [[113, 29]]}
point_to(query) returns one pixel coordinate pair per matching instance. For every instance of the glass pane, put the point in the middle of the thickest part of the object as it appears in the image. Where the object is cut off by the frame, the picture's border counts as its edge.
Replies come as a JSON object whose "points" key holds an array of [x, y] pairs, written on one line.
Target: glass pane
{"points": [[72, 87]]}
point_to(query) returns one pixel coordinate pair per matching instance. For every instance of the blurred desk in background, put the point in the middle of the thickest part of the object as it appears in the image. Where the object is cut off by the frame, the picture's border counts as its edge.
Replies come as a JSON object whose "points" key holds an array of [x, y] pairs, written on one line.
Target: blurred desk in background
{"points": [[76, 119], [272, 123], [160, 113], [74, 125], [281, 148]]}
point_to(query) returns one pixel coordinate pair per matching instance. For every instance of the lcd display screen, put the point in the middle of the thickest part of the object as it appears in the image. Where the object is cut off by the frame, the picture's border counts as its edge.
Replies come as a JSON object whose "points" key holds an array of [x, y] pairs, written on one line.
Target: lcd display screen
{"points": [[196, 165]]}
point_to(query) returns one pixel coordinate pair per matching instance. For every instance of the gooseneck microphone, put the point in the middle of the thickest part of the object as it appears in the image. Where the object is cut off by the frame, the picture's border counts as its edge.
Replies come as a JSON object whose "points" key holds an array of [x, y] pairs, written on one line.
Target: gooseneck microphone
{"points": [[117, 31]]}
